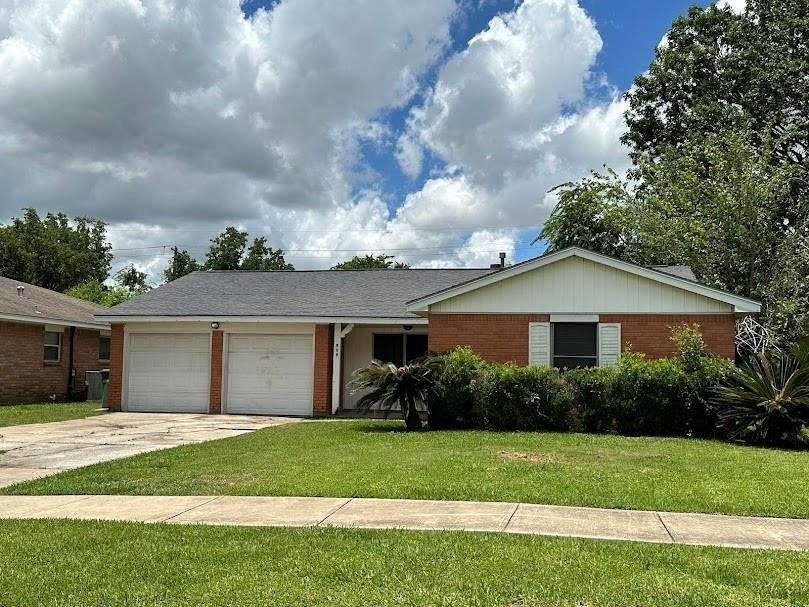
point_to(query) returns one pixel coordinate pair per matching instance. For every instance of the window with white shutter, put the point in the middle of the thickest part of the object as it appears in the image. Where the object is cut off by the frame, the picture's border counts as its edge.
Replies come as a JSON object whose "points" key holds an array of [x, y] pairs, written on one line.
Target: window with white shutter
{"points": [[609, 343], [539, 343]]}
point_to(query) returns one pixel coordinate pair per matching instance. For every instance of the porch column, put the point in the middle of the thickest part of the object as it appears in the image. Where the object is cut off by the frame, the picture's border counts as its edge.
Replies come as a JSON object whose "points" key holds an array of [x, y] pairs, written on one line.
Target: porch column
{"points": [[340, 331]]}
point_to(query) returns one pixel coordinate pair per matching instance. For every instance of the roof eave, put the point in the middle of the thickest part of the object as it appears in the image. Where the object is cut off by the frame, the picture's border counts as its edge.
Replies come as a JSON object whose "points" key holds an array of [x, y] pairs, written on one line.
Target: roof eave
{"points": [[44, 320]]}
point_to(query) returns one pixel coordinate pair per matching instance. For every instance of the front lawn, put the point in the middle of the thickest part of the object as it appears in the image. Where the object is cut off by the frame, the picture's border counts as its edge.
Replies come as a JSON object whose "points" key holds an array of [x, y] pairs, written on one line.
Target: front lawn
{"points": [[72, 564], [377, 459], [15, 415]]}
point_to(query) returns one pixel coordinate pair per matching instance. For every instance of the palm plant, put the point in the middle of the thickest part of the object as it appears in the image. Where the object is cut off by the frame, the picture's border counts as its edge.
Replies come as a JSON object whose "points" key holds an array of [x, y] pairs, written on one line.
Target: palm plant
{"points": [[766, 400], [391, 386]]}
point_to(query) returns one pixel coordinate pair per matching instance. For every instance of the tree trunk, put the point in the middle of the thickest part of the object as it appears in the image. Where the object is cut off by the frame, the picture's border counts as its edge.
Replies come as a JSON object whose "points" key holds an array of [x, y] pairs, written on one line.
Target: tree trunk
{"points": [[413, 420]]}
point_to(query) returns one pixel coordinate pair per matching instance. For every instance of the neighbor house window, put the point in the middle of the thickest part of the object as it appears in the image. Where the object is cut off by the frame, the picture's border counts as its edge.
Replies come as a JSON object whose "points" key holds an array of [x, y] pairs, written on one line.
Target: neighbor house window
{"points": [[53, 346], [103, 347], [575, 345], [399, 348]]}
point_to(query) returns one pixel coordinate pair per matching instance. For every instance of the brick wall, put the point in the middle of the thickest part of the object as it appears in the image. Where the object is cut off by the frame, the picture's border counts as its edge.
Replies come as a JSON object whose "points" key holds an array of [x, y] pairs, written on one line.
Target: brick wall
{"points": [[86, 355], [651, 333], [26, 377], [496, 337], [324, 336], [504, 337], [116, 366], [215, 405]]}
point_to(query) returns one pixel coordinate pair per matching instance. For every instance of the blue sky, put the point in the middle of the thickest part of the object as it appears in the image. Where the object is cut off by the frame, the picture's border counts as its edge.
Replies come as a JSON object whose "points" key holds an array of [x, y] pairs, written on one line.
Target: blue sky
{"points": [[331, 128]]}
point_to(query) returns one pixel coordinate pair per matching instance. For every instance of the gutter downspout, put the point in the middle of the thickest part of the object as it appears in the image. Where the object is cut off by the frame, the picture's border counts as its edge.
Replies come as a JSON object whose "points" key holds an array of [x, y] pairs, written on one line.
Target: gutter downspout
{"points": [[70, 366]]}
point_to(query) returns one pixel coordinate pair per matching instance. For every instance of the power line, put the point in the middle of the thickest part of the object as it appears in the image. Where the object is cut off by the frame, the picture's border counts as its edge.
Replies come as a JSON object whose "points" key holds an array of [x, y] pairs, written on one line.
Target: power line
{"points": [[347, 231]]}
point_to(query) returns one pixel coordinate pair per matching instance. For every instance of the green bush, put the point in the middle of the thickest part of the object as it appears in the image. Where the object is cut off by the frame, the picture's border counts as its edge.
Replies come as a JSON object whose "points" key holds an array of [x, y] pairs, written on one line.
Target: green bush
{"points": [[508, 397], [454, 373], [593, 401], [766, 401]]}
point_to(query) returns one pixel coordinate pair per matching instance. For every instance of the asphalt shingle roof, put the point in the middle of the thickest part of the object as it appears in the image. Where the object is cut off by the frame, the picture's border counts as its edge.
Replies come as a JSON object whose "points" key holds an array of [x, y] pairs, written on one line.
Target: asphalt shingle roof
{"points": [[44, 304], [319, 293]]}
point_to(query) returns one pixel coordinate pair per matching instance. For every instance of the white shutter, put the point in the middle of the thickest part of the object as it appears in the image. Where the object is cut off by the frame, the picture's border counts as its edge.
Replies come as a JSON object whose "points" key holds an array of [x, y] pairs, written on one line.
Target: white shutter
{"points": [[539, 343], [609, 343]]}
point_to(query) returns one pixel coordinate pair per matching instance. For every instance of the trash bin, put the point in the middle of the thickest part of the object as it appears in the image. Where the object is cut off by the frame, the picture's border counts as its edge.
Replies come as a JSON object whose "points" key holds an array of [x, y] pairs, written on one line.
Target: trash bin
{"points": [[105, 390], [94, 386]]}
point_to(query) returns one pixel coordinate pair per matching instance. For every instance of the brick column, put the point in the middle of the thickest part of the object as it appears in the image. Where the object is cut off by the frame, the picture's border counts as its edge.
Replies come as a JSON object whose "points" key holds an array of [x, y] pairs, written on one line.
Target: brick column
{"points": [[215, 403], [116, 367], [324, 335]]}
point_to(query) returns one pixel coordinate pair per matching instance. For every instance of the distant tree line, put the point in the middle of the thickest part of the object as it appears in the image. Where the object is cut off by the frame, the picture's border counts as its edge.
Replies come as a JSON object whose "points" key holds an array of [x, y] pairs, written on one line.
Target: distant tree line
{"points": [[74, 257]]}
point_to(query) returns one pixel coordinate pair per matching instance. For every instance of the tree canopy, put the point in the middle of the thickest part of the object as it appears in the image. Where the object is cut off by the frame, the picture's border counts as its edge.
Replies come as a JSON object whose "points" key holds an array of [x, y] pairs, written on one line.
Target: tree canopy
{"points": [[228, 251], [181, 263], [128, 283], [54, 252], [370, 262]]}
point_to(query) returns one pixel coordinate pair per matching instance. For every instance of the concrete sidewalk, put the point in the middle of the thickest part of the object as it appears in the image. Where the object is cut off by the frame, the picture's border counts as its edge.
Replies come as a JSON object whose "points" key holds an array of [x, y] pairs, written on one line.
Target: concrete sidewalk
{"points": [[531, 519]]}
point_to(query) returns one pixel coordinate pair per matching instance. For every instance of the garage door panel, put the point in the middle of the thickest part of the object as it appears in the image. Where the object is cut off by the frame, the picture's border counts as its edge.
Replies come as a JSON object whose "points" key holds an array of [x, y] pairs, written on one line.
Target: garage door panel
{"points": [[269, 374], [168, 372]]}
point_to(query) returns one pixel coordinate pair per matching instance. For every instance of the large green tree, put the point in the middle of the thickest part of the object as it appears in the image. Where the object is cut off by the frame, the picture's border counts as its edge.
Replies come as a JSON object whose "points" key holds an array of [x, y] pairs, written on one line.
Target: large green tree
{"points": [[718, 68], [181, 263], [370, 262], [594, 213], [228, 251], [54, 252], [262, 257], [128, 282]]}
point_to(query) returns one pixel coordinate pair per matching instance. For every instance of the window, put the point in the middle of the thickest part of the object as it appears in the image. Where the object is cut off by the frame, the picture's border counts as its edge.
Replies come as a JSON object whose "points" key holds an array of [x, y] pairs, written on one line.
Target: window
{"points": [[399, 348], [575, 345], [103, 347], [53, 346]]}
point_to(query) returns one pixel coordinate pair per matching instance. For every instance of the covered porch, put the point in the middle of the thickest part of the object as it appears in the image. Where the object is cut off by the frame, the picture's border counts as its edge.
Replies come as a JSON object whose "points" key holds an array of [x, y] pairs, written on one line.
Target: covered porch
{"points": [[355, 345]]}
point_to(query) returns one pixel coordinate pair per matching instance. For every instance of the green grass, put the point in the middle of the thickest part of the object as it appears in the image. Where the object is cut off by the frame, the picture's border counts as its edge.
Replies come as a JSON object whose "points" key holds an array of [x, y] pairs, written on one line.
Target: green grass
{"points": [[375, 459], [71, 564], [15, 415]]}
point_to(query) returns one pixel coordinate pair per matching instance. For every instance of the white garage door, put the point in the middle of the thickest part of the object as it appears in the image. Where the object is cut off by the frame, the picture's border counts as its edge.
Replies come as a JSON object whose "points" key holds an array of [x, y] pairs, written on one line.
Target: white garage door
{"points": [[269, 374], [168, 372]]}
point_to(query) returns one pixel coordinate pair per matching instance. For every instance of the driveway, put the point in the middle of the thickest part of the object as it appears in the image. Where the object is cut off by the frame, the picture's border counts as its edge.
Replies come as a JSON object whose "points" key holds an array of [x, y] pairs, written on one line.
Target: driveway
{"points": [[35, 450]]}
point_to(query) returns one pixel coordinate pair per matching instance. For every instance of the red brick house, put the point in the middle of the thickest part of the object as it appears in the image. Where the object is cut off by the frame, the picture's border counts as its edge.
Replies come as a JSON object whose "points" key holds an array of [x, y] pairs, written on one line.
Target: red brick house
{"points": [[47, 342], [285, 343]]}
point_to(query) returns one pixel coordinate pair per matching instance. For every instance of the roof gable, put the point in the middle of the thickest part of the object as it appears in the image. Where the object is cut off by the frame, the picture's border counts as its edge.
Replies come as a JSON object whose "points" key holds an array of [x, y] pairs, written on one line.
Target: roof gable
{"points": [[674, 292]]}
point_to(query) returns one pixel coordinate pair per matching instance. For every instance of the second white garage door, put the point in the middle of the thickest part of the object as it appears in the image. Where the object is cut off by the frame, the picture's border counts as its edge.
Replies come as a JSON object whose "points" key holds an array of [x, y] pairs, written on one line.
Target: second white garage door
{"points": [[269, 374]]}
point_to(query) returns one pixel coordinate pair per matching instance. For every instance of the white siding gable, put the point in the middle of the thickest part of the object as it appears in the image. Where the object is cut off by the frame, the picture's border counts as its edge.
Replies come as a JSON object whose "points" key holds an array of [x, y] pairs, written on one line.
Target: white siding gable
{"points": [[578, 285]]}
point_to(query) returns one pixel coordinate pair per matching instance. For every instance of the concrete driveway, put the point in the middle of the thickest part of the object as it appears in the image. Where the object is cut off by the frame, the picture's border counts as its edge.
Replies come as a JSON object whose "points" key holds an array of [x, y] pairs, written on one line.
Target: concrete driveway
{"points": [[34, 450]]}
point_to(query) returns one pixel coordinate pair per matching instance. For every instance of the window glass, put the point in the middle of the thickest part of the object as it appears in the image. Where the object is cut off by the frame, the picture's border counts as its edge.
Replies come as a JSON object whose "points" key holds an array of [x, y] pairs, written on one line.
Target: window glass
{"points": [[53, 343], [103, 348], [389, 348], [415, 346], [575, 345]]}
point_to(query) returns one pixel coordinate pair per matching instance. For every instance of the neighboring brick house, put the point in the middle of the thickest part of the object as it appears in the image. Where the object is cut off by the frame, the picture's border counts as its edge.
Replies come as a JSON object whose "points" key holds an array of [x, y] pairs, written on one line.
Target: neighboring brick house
{"points": [[48, 341], [285, 343]]}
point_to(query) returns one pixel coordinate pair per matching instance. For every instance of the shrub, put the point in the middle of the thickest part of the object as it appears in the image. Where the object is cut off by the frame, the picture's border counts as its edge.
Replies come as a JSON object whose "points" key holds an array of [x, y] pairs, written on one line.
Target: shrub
{"points": [[508, 397], [454, 374], [651, 396], [704, 371], [593, 399], [391, 386], [766, 401]]}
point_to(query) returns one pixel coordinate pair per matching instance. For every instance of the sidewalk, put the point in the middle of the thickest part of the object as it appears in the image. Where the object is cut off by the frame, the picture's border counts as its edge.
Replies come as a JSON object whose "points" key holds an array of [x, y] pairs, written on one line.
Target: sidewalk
{"points": [[531, 519]]}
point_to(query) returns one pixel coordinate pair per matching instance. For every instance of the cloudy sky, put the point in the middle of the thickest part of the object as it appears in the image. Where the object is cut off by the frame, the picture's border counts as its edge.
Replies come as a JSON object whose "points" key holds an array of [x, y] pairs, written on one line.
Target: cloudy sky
{"points": [[427, 129]]}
